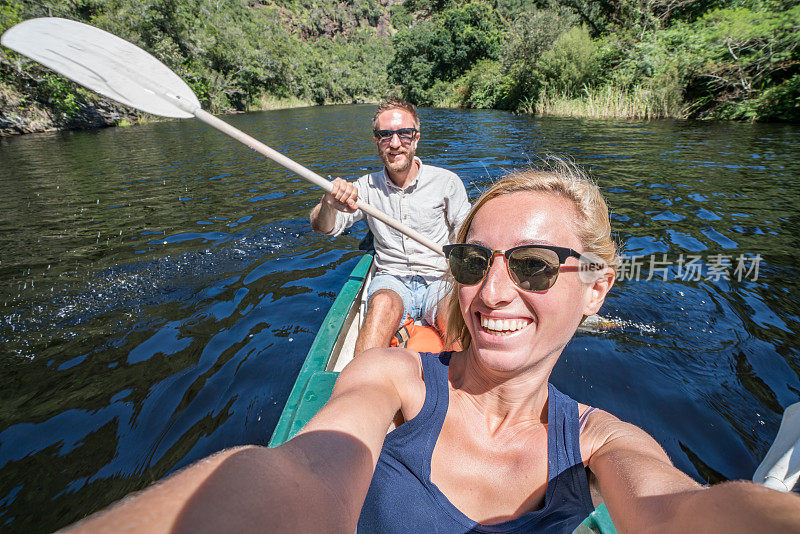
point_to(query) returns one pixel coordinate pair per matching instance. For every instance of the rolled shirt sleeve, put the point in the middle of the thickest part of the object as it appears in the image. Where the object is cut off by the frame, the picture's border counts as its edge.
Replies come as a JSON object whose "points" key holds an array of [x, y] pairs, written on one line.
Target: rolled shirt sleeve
{"points": [[346, 220]]}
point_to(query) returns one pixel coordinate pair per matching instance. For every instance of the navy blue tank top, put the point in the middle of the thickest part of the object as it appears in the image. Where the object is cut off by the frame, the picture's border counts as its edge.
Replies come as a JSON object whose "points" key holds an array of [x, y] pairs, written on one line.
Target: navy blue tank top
{"points": [[402, 498]]}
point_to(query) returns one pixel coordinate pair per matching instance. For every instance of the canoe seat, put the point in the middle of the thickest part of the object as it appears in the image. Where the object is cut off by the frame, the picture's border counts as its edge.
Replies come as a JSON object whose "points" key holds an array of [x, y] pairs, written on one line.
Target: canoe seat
{"points": [[316, 393]]}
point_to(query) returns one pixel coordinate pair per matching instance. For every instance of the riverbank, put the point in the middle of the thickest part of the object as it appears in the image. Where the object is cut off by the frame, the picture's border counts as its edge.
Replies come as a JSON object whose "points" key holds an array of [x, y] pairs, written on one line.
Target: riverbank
{"points": [[21, 115], [635, 62], [18, 118]]}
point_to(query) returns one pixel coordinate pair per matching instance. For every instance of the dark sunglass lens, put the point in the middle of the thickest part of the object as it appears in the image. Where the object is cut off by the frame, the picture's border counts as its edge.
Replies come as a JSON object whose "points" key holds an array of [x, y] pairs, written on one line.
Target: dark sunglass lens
{"points": [[468, 264], [406, 134], [533, 269]]}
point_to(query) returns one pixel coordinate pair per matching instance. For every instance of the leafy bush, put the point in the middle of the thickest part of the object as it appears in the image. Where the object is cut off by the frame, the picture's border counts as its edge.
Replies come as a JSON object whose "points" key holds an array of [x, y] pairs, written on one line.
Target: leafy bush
{"points": [[401, 17], [482, 87], [726, 59], [10, 14], [443, 48], [570, 64], [368, 10], [781, 102], [531, 34], [59, 93]]}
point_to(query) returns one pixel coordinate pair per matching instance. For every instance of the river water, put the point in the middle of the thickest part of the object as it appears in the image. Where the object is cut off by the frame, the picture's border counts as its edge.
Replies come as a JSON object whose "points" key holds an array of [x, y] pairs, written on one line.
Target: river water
{"points": [[160, 287]]}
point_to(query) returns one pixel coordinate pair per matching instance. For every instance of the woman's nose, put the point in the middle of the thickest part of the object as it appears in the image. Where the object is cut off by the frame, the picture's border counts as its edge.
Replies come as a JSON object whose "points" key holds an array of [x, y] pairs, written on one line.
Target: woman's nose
{"points": [[497, 288]]}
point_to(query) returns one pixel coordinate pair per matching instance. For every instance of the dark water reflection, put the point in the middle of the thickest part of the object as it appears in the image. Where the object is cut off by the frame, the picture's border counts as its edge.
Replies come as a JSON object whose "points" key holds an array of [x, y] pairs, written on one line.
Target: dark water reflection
{"points": [[161, 286]]}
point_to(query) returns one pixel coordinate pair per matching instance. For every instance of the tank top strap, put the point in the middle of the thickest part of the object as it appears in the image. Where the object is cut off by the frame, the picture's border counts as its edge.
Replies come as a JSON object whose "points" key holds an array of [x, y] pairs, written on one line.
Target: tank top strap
{"points": [[562, 417], [416, 438], [564, 452], [435, 370]]}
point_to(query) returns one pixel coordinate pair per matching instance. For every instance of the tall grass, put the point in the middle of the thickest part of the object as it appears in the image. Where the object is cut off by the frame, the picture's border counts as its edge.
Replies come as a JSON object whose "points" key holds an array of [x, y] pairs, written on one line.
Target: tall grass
{"points": [[268, 102], [610, 102]]}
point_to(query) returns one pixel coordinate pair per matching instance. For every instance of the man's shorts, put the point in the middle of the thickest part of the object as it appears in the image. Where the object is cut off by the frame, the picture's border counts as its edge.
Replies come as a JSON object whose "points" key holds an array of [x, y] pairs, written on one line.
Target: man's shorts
{"points": [[420, 300]]}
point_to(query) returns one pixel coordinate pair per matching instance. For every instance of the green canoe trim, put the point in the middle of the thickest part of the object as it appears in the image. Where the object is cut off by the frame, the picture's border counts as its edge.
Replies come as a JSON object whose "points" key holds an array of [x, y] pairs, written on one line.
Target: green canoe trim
{"points": [[315, 396], [320, 351], [598, 522]]}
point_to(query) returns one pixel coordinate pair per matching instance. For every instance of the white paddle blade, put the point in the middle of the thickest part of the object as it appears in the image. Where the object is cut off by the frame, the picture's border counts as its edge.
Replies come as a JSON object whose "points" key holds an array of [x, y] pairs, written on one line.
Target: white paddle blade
{"points": [[103, 63]]}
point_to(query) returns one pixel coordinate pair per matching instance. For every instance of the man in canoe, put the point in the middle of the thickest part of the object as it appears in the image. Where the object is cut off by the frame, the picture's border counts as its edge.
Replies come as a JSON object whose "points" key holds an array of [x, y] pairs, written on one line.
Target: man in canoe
{"points": [[433, 201], [489, 445]]}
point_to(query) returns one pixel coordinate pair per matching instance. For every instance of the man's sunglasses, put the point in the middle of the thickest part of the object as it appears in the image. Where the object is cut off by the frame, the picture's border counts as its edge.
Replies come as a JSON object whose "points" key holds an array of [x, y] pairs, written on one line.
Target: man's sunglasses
{"points": [[530, 267], [406, 135]]}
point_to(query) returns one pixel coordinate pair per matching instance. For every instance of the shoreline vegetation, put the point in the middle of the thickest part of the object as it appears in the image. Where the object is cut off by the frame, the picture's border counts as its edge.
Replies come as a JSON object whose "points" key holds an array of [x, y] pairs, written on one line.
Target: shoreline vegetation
{"points": [[682, 59]]}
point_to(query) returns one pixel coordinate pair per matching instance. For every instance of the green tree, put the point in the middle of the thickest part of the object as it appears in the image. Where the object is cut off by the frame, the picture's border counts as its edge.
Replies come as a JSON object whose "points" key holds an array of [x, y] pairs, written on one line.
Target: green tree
{"points": [[443, 48], [569, 66], [530, 35]]}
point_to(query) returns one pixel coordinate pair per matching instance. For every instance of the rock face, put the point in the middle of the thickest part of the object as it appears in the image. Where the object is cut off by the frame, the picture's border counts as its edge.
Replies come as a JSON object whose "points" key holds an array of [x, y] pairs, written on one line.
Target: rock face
{"points": [[100, 114], [20, 114]]}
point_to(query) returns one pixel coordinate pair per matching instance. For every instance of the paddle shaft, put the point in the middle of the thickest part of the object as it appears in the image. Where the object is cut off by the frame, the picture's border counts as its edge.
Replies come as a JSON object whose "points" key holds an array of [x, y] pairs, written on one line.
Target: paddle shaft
{"points": [[124, 72], [310, 176]]}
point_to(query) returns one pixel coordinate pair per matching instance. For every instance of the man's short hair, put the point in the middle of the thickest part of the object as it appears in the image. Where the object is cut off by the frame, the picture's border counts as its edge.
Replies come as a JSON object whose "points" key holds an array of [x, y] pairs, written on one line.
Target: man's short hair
{"points": [[395, 103]]}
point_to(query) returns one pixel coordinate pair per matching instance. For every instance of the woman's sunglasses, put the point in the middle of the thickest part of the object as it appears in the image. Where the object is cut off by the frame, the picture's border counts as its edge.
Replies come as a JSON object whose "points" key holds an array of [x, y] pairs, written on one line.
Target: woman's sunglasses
{"points": [[530, 267]]}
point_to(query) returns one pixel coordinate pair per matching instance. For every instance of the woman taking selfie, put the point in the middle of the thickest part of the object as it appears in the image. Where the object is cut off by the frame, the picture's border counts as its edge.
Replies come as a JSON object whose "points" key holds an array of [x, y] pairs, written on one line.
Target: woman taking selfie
{"points": [[488, 445]]}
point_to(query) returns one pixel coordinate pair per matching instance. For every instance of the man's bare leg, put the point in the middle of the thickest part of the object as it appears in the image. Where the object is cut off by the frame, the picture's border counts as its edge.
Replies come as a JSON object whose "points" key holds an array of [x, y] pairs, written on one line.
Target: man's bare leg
{"points": [[384, 311]]}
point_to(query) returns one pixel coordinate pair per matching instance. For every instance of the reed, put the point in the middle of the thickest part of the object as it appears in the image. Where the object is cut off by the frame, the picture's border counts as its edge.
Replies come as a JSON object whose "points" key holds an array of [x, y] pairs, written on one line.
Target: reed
{"points": [[610, 102], [269, 102]]}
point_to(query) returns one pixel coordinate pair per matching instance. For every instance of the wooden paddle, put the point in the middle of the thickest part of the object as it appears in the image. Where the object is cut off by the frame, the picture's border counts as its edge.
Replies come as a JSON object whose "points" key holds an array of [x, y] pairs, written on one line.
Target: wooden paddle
{"points": [[124, 72]]}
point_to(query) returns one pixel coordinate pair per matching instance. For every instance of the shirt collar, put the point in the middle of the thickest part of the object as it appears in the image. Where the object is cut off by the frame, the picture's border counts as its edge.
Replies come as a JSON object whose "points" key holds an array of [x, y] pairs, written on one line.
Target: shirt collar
{"points": [[391, 184]]}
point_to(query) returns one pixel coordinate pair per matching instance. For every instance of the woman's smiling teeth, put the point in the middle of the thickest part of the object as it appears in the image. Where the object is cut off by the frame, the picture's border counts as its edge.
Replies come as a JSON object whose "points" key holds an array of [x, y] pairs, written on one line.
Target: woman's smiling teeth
{"points": [[501, 327]]}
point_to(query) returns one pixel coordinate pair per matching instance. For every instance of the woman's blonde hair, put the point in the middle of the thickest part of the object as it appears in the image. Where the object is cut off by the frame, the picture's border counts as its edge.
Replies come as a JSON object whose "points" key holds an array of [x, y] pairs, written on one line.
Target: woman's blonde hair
{"points": [[555, 176]]}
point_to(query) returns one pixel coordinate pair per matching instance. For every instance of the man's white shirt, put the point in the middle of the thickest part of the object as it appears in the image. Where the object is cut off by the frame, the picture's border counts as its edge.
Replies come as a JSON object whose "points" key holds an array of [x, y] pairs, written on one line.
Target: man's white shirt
{"points": [[434, 204]]}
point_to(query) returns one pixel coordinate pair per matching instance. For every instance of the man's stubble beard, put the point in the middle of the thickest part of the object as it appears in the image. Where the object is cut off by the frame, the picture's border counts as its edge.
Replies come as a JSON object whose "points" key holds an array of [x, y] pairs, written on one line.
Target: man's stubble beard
{"points": [[410, 152]]}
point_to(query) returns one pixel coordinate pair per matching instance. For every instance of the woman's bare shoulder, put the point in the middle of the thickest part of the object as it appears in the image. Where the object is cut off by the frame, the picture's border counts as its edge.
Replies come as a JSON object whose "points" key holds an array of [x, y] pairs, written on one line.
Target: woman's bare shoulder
{"points": [[395, 368], [391, 369], [395, 364]]}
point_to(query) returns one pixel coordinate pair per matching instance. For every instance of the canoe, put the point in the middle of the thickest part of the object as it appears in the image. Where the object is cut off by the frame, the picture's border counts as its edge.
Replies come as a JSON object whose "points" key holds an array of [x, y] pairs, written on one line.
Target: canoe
{"points": [[333, 348]]}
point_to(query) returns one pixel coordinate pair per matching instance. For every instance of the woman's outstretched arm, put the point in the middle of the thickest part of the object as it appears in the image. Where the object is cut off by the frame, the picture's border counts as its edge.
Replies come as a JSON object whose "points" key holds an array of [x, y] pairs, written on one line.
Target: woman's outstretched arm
{"points": [[316, 482], [644, 492]]}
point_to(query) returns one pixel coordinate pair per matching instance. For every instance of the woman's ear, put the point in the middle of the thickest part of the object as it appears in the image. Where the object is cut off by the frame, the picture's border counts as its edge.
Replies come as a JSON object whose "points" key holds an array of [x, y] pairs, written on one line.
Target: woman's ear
{"points": [[597, 290]]}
